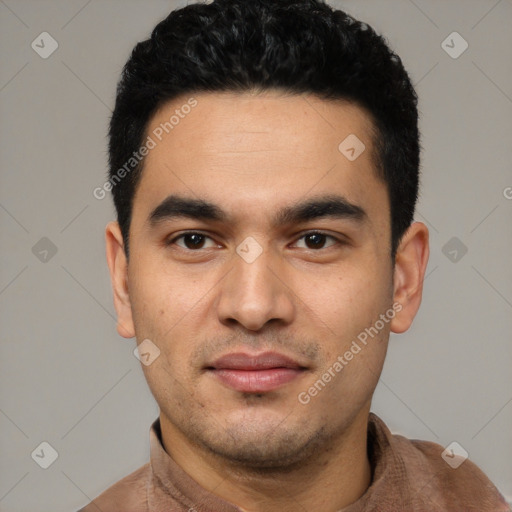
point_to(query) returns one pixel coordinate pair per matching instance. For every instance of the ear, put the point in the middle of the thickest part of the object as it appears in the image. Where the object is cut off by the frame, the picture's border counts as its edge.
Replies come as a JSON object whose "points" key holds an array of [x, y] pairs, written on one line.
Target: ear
{"points": [[118, 267], [410, 265]]}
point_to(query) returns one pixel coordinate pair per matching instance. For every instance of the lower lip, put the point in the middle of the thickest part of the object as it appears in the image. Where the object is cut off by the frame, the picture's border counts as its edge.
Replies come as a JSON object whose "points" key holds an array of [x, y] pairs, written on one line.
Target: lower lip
{"points": [[256, 381]]}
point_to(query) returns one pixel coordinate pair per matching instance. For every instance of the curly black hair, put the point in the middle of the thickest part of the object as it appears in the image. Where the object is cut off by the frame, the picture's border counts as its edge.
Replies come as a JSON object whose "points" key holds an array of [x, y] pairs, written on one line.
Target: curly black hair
{"points": [[296, 46]]}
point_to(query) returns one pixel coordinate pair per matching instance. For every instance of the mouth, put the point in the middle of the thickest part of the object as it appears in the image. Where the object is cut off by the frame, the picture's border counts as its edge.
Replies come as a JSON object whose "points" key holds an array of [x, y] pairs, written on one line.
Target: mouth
{"points": [[255, 373]]}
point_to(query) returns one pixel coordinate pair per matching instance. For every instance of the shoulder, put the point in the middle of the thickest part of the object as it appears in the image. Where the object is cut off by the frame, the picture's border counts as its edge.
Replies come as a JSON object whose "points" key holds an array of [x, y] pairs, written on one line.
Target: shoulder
{"points": [[128, 494], [458, 485]]}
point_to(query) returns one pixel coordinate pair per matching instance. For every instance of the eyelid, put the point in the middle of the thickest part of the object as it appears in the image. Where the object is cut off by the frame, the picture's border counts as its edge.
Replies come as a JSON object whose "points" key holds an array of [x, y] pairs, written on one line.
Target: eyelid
{"points": [[338, 240], [172, 240]]}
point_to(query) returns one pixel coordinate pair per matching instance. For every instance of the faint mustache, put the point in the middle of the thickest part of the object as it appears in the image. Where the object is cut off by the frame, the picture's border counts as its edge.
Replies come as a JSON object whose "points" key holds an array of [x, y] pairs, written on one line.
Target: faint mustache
{"points": [[213, 347]]}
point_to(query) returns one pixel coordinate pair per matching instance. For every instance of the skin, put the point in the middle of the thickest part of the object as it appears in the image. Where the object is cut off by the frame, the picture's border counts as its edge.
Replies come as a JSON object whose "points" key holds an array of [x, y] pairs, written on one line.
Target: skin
{"points": [[252, 154]]}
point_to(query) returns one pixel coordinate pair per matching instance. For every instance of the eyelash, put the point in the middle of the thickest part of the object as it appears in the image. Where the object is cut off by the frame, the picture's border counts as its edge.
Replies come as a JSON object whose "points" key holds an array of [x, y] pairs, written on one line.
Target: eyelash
{"points": [[182, 235]]}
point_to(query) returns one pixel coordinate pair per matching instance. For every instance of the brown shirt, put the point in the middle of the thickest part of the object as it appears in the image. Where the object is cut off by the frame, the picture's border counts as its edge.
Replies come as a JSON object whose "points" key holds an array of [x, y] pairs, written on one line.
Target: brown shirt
{"points": [[407, 475]]}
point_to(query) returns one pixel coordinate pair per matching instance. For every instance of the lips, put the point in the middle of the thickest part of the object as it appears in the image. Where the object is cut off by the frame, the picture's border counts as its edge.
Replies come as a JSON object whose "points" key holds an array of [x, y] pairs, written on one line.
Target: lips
{"points": [[255, 373]]}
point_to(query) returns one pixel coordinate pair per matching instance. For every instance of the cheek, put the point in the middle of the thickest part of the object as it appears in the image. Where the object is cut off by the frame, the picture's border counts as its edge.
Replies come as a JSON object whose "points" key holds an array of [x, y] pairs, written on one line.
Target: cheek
{"points": [[169, 310], [160, 298], [348, 301], [344, 313]]}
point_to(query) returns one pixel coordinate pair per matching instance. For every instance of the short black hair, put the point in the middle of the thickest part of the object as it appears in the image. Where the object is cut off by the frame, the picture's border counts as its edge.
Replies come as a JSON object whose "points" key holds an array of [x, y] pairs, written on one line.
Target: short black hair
{"points": [[297, 46]]}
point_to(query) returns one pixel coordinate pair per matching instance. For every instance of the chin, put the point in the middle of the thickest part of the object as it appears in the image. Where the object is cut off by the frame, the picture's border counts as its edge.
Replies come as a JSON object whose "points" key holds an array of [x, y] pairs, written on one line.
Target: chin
{"points": [[265, 445]]}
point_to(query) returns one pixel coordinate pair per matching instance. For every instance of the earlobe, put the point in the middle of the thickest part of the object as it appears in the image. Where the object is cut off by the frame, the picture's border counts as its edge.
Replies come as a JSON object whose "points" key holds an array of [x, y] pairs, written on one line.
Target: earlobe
{"points": [[410, 265], [118, 267]]}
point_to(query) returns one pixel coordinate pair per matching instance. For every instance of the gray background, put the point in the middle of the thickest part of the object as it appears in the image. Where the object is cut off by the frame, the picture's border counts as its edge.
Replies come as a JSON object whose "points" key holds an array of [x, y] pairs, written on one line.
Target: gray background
{"points": [[67, 378]]}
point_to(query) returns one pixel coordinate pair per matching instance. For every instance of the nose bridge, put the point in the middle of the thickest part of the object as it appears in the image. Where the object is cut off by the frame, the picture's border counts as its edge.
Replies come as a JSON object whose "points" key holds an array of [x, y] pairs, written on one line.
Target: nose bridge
{"points": [[254, 271], [253, 292]]}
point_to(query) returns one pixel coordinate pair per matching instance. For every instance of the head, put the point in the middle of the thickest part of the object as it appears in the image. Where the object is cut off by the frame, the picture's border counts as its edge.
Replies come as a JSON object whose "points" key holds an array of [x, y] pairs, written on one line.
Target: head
{"points": [[271, 159]]}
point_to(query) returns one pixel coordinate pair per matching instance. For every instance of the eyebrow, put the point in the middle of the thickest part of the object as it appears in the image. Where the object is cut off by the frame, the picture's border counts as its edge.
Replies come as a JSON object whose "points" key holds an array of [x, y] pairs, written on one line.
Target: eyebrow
{"points": [[329, 206]]}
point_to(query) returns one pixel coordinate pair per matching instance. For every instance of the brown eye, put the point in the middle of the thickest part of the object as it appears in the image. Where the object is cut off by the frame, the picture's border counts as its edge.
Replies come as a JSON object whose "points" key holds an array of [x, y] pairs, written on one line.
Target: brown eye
{"points": [[191, 241], [315, 240]]}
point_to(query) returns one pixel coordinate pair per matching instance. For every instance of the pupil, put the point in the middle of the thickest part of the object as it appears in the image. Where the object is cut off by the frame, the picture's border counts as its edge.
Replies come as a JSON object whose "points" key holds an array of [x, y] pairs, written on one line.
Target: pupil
{"points": [[317, 239], [195, 240]]}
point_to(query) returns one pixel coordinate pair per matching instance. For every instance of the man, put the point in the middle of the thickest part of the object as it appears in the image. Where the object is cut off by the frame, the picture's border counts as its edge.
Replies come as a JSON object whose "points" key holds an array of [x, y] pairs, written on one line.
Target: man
{"points": [[264, 162]]}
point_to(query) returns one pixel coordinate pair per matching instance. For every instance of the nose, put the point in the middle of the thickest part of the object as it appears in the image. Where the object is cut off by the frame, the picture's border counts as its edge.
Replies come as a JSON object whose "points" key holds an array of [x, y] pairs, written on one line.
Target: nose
{"points": [[256, 292]]}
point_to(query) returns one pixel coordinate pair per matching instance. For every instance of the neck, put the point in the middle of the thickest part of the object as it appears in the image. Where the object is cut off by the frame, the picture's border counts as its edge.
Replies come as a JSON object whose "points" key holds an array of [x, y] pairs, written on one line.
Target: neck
{"points": [[334, 479]]}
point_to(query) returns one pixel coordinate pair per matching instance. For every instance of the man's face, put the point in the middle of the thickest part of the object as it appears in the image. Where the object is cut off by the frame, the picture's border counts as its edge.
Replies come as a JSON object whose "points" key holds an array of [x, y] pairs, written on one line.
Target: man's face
{"points": [[252, 282]]}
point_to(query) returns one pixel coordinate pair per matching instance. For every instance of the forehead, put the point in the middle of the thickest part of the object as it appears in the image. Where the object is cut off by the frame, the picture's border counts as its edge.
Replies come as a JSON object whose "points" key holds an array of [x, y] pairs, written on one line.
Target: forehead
{"points": [[250, 152]]}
